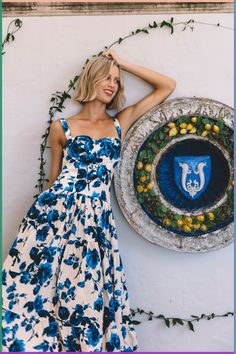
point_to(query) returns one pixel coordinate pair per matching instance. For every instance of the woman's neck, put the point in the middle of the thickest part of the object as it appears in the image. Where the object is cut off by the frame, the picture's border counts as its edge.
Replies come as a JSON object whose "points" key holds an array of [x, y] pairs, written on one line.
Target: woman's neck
{"points": [[94, 110]]}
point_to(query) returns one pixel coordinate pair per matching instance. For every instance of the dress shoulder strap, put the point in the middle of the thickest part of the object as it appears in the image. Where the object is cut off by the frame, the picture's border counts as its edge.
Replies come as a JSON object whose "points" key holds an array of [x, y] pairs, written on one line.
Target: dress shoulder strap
{"points": [[118, 128], [65, 127]]}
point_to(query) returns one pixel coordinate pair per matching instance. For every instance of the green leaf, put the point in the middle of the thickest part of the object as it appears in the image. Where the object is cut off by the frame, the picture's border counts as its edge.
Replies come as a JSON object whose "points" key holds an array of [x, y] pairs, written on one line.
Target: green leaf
{"points": [[161, 135], [220, 124], [178, 217], [163, 144], [182, 120], [142, 154], [174, 321], [151, 192], [178, 320], [225, 142], [190, 326], [205, 121], [135, 322], [154, 146], [145, 31], [163, 208], [167, 24], [167, 322]]}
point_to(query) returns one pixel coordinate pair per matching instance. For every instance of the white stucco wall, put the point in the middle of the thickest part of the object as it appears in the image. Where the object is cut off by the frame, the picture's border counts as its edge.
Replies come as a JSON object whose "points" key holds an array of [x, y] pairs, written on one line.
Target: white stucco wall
{"points": [[49, 51]]}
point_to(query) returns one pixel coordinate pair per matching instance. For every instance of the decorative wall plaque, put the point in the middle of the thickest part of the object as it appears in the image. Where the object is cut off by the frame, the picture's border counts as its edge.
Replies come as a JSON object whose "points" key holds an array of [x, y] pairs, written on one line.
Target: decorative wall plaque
{"points": [[174, 181]]}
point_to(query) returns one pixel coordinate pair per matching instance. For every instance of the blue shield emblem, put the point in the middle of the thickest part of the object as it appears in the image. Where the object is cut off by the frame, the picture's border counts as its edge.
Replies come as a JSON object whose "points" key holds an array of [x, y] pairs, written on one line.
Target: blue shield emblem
{"points": [[192, 174]]}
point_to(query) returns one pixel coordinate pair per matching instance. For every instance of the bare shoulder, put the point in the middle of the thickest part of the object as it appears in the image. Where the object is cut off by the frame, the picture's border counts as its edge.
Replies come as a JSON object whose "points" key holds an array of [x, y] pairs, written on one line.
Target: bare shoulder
{"points": [[56, 131], [56, 125]]}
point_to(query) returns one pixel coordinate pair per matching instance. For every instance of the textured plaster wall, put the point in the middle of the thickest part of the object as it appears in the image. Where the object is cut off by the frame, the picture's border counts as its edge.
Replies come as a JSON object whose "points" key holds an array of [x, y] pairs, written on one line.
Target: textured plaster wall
{"points": [[47, 53]]}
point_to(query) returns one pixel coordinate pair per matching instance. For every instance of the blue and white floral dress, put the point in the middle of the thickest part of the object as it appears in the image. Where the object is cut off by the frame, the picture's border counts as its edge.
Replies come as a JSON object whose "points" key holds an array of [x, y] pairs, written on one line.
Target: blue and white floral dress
{"points": [[64, 287]]}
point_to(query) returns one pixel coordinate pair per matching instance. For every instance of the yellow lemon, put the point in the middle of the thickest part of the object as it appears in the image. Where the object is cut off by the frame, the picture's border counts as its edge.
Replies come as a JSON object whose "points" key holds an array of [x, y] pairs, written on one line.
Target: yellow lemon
{"points": [[200, 218], [150, 186], [186, 228], [148, 167], [171, 125], [193, 130], [173, 132], [179, 222], [143, 178], [194, 119], [216, 129], [140, 189], [211, 216], [203, 227], [145, 190], [188, 220], [207, 127], [183, 125], [183, 131], [139, 165], [196, 226], [166, 221], [205, 133], [189, 126]]}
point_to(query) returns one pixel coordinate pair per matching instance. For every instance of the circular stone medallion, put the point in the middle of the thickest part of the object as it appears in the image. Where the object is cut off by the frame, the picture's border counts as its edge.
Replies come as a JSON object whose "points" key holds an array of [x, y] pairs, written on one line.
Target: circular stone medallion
{"points": [[174, 181]]}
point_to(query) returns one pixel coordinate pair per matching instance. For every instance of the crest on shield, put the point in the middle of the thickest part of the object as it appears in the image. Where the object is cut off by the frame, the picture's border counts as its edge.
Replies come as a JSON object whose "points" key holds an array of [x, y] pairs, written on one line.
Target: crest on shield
{"points": [[192, 174]]}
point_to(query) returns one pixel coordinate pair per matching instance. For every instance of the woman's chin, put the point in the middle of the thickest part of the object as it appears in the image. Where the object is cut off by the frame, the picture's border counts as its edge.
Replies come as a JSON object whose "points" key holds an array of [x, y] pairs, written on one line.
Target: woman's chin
{"points": [[106, 101]]}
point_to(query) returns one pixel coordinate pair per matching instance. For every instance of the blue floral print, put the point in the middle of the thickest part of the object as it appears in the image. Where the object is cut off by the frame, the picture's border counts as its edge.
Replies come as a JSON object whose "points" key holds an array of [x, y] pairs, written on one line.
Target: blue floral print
{"points": [[64, 286]]}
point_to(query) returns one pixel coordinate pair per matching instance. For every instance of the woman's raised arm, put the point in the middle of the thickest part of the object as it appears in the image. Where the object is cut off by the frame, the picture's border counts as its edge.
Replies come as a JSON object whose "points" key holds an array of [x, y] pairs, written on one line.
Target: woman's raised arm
{"points": [[163, 87]]}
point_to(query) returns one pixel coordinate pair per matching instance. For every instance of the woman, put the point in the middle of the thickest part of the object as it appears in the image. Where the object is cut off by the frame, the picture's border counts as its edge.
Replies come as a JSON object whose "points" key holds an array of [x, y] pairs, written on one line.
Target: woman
{"points": [[64, 286]]}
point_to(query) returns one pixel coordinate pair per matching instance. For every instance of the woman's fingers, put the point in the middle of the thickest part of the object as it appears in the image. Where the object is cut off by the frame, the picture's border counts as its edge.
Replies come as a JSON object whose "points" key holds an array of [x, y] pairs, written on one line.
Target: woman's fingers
{"points": [[109, 53], [112, 54]]}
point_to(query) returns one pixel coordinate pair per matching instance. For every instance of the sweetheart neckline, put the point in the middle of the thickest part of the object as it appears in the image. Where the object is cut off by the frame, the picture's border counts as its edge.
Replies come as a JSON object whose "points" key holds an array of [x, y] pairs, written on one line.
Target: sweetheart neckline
{"points": [[87, 136]]}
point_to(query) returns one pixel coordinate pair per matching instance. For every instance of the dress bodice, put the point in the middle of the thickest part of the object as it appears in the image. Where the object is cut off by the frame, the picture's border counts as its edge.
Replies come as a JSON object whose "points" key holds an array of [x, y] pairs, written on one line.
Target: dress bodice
{"points": [[89, 163]]}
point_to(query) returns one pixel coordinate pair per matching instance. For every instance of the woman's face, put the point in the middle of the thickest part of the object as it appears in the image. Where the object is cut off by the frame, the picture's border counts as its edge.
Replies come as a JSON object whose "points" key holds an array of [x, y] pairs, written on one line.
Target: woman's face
{"points": [[108, 87]]}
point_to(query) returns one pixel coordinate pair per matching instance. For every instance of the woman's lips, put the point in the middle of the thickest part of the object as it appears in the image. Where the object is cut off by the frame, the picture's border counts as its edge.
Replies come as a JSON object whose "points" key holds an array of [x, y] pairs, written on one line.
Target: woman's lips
{"points": [[108, 92]]}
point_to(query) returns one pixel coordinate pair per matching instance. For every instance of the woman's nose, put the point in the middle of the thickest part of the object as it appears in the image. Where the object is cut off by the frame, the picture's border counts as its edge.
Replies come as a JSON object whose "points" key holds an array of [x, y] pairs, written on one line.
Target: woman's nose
{"points": [[112, 83]]}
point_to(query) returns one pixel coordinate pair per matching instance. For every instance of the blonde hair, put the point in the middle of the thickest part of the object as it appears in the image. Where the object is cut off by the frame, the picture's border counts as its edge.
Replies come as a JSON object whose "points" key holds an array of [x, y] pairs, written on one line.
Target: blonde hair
{"points": [[97, 69]]}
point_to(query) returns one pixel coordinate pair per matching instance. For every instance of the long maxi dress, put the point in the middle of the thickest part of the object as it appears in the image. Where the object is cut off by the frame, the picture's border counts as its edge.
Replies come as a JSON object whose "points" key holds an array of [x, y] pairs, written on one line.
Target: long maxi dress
{"points": [[64, 286]]}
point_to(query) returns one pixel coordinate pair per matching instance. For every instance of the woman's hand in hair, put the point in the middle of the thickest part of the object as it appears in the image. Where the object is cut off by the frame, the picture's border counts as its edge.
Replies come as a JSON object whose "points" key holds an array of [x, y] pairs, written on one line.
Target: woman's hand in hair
{"points": [[112, 54]]}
